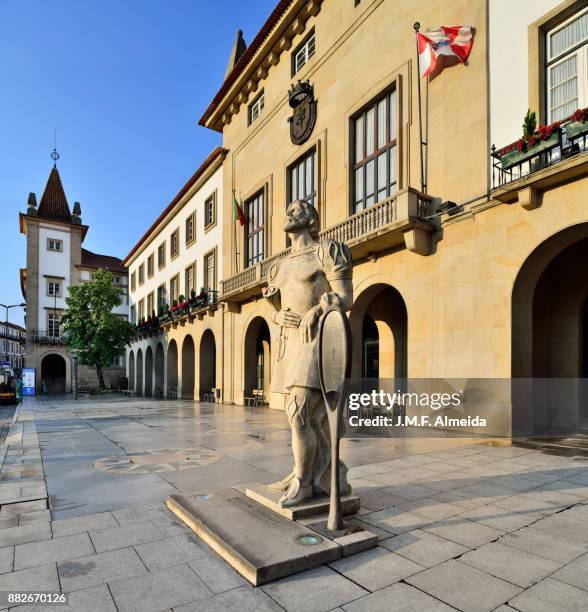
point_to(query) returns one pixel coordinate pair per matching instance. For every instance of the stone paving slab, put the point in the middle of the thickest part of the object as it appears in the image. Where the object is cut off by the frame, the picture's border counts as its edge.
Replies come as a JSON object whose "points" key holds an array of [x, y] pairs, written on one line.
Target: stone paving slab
{"points": [[41, 578], [544, 544], [424, 548], [171, 551], [6, 559], [94, 599], [520, 568], [464, 531], [549, 595], [464, 587], [397, 597], [243, 599], [159, 590], [100, 568], [216, 574], [48, 551], [318, 590], [124, 536], [376, 568], [575, 573], [31, 532], [81, 524]]}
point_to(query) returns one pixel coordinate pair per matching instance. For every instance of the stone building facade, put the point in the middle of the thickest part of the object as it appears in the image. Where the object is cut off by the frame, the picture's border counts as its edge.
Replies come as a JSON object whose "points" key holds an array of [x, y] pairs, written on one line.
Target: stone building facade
{"points": [[174, 273], [12, 345], [56, 260], [467, 271]]}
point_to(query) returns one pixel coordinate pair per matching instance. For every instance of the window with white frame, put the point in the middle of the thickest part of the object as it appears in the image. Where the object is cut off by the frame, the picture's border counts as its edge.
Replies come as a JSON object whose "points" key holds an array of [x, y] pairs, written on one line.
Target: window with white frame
{"points": [[302, 178], [303, 52], [255, 108], [374, 152], [53, 244], [54, 288], [254, 229], [189, 280], [161, 297], [567, 67], [133, 315], [53, 324], [210, 271]]}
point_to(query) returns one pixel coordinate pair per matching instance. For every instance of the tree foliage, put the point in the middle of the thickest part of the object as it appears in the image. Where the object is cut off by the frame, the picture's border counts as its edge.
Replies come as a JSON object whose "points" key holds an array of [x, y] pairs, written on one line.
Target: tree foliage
{"points": [[90, 326]]}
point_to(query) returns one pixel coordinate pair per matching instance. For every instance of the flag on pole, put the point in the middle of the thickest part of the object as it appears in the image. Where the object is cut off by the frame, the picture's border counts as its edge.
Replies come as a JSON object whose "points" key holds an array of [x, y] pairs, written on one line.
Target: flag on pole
{"points": [[455, 42], [238, 211]]}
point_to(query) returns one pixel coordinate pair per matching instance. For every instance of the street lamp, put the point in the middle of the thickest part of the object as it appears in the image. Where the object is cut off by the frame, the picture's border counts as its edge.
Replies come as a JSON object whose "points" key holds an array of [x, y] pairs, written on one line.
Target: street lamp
{"points": [[21, 305]]}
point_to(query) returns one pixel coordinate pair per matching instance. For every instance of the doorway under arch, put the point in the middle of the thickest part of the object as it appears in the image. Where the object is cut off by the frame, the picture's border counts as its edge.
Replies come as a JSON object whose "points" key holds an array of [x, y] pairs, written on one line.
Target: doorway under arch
{"points": [[207, 378], [148, 371], [188, 368], [172, 368], [131, 385], [257, 354], [53, 373], [139, 374], [379, 323], [549, 339], [159, 368]]}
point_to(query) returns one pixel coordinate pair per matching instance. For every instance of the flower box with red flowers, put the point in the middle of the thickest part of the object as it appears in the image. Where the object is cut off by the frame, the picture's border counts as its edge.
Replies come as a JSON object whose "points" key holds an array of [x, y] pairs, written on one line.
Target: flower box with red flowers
{"points": [[578, 125], [546, 138]]}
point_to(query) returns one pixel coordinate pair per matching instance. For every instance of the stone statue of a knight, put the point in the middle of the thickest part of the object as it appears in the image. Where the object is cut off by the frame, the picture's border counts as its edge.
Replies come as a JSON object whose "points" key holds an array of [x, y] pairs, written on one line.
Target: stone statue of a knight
{"points": [[314, 276]]}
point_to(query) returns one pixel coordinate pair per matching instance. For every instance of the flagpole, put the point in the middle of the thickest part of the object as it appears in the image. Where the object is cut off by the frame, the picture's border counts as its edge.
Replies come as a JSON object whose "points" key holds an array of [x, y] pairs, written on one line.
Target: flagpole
{"points": [[234, 233], [417, 27]]}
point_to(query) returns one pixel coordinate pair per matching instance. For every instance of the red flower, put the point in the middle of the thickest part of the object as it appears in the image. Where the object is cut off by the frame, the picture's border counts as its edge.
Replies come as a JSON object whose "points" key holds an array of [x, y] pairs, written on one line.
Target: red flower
{"points": [[520, 144], [579, 115]]}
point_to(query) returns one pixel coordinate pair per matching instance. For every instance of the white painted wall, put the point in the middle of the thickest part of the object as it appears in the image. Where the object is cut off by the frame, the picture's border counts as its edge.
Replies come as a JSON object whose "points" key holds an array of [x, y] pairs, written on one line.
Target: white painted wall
{"points": [[509, 70], [204, 243], [52, 264]]}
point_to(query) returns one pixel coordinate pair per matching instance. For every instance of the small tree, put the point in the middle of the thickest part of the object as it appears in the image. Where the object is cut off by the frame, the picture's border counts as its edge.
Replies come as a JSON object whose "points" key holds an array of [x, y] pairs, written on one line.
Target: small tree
{"points": [[90, 326]]}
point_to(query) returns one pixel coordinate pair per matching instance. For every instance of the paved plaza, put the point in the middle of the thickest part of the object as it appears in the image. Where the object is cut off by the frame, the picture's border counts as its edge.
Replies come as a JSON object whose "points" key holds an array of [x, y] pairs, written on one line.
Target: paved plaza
{"points": [[462, 526]]}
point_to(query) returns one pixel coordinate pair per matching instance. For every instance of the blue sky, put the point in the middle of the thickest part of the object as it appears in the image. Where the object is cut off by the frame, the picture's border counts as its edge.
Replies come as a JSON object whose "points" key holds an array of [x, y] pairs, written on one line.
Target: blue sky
{"points": [[124, 83]]}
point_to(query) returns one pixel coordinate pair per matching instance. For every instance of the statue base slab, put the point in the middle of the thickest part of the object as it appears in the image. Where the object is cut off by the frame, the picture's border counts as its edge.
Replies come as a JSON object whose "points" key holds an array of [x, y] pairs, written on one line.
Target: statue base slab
{"points": [[350, 504], [260, 544]]}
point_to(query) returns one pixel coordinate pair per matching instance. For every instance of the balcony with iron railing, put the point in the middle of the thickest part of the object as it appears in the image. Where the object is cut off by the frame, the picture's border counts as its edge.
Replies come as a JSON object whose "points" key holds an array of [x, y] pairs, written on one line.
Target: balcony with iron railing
{"points": [[555, 156], [46, 337], [385, 225], [186, 311]]}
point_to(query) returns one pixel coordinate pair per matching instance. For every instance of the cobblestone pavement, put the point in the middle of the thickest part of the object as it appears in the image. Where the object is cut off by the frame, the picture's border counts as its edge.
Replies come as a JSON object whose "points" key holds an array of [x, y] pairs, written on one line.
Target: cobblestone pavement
{"points": [[461, 526]]}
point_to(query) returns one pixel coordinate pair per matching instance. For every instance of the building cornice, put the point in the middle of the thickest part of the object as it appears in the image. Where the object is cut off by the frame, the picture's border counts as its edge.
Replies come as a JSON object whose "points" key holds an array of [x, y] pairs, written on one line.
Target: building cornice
{"points": [[24, 218], [288, 19]]}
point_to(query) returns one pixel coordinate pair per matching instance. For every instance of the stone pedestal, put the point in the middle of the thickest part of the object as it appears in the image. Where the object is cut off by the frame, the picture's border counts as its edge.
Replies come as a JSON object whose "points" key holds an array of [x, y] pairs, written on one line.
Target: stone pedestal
{"points": [[315, 507], [263, 544]]}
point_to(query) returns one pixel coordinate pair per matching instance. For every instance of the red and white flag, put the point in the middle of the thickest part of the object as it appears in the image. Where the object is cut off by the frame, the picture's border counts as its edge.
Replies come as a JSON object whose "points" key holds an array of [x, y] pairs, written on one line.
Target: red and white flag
{"points": [[455, 42]]}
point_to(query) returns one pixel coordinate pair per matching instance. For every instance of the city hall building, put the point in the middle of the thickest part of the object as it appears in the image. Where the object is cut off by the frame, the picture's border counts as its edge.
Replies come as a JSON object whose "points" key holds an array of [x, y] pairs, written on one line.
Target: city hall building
{"points": [[469, 238]]}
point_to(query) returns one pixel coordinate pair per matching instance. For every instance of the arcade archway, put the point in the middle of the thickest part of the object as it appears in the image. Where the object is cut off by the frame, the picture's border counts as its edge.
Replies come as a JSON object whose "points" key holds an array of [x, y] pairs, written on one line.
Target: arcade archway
{"points": [[207, 378], [257, 353], [172, 368], [188, 367], [53, 373]]}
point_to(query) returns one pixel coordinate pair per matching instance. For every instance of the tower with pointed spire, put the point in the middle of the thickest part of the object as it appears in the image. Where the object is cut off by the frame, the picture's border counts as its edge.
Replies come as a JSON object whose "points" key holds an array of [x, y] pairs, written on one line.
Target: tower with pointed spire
{"points": [[55, 261]]}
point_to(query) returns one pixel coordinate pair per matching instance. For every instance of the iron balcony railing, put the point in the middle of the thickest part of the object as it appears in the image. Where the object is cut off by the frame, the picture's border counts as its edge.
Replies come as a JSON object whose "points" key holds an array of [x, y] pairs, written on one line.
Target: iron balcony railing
{"points": [[46, 337], [509, 164]]}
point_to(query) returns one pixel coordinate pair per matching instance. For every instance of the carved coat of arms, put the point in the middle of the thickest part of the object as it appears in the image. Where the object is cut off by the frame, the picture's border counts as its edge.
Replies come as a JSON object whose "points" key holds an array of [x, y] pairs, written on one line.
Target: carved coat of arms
{"points": [[303, 119]]}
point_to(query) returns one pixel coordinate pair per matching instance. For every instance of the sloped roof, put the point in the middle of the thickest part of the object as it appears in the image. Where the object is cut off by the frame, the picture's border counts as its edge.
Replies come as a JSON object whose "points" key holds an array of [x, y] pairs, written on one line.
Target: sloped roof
{"points": [[102, 262], [53, 202], [246, 58]]}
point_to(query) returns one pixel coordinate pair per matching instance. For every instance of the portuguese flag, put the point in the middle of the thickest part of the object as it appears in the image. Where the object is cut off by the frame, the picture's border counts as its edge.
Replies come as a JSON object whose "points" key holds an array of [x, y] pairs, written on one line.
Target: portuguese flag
{"points": [[238, 211]]}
